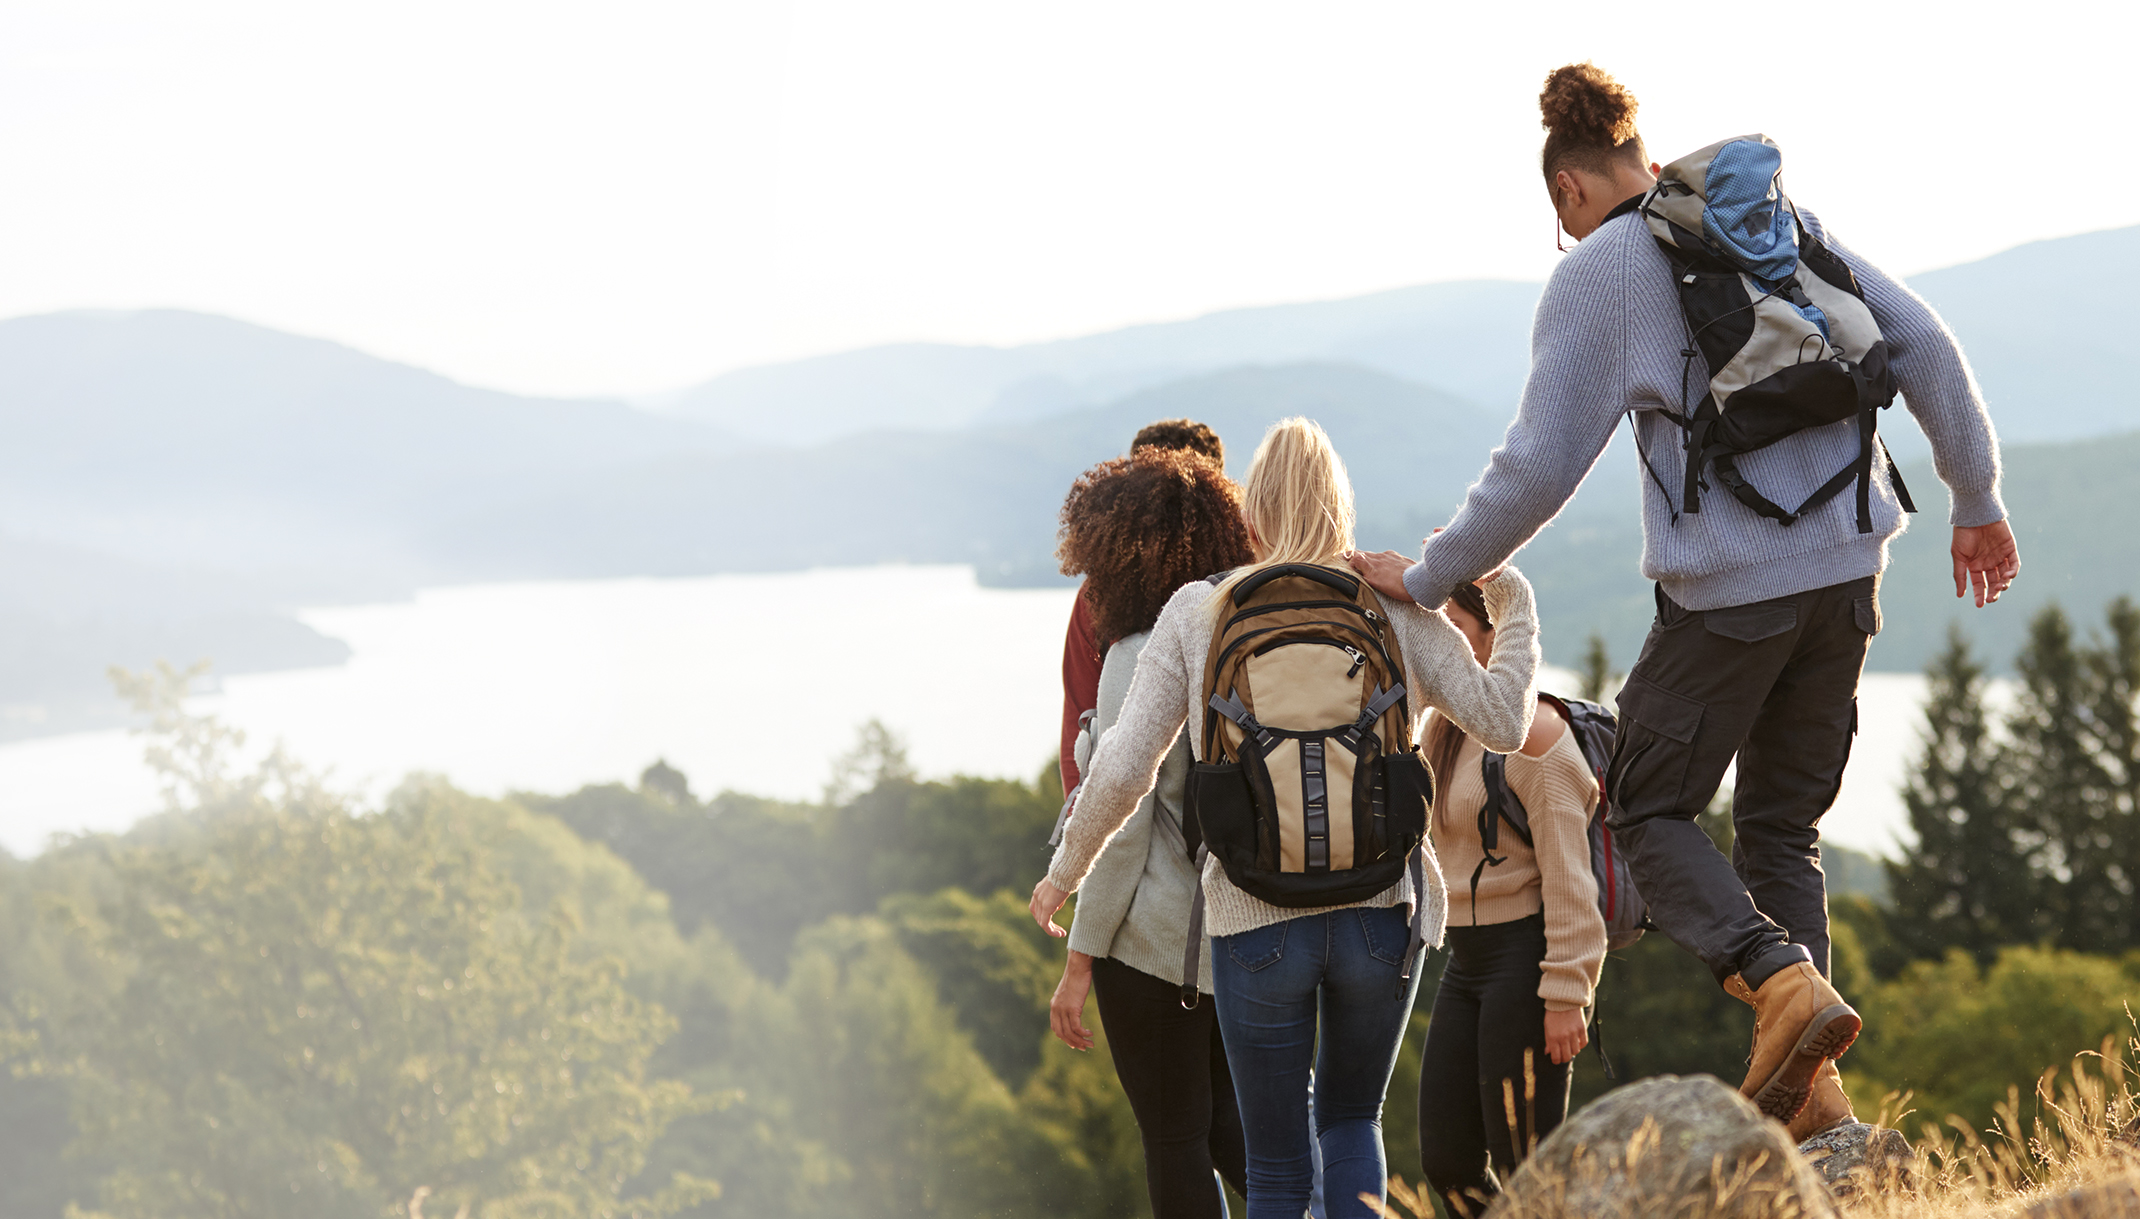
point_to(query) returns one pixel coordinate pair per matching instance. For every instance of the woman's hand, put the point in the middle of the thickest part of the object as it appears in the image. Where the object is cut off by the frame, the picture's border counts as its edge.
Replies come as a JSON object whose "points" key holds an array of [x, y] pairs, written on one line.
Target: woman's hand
{"points": [[1566, 1035], [1047, 899], [1066, 1011]]}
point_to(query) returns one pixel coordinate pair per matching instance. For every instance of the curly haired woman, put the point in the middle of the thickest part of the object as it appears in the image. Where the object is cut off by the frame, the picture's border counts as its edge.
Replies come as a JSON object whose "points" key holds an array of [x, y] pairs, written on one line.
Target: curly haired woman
{"points": [[1138, 528]]}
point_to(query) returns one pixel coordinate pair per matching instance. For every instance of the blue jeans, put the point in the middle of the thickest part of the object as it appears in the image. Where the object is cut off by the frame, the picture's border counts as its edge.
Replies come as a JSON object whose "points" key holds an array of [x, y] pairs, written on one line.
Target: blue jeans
{"points": [[1277, 988]]}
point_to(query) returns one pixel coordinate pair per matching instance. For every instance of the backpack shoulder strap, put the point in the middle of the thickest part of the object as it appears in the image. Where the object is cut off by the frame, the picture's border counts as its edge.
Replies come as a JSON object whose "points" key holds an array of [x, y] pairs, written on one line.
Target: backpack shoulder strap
{"points": [[1193, 949], [1502, 804]]}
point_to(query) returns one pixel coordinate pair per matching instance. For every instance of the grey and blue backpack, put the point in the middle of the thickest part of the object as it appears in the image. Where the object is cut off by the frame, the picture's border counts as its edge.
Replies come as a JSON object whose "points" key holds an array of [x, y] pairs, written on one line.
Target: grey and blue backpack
{"points": [[1778, 322]]}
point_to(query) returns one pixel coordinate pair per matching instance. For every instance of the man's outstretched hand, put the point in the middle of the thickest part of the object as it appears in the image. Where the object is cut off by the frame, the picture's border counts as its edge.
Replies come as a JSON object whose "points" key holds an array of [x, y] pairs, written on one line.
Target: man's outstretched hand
{"points": [[1985, 558]]}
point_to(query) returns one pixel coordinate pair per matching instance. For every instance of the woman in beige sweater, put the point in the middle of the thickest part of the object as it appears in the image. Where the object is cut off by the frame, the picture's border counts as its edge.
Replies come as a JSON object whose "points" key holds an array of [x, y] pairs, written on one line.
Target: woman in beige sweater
{"points": [[1302, 987], [1526, 941]]}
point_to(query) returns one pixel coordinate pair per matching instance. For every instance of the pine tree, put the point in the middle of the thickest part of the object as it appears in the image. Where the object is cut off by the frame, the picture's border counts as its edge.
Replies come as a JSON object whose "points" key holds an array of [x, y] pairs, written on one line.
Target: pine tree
{"points": [[1968, 883], [2113, 690], [1598, 679], [2061, 785]]}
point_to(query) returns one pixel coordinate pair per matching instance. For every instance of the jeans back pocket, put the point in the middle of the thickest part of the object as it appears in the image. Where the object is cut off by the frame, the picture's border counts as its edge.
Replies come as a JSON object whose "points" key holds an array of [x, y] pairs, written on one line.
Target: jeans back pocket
{"points": [[1386, 932], [1259, 947]]}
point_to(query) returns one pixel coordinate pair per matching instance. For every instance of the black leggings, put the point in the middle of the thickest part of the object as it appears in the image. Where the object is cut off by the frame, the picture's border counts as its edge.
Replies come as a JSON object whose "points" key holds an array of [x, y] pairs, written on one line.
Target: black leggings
{"points": [[1487, 1090], [1173, 1066]]}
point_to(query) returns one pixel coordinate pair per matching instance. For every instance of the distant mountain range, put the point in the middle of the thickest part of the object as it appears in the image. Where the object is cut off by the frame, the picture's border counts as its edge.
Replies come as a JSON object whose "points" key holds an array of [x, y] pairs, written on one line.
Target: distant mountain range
{"points": [[1468, 339], [2046, 325], [172, 483], [179, 438], [985, 495]]}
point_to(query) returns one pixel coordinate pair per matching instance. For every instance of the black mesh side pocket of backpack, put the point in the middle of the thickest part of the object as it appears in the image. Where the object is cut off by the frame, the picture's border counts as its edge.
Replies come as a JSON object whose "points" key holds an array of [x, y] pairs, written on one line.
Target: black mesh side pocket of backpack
{"points": [[1225, 813], [1408, 791]]}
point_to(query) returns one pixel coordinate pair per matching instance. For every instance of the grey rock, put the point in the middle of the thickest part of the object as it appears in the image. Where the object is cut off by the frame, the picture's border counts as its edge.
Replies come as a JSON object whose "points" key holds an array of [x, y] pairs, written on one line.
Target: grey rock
{"points": [[1667, 1148], [1857, 1156], [2116, 1198]]}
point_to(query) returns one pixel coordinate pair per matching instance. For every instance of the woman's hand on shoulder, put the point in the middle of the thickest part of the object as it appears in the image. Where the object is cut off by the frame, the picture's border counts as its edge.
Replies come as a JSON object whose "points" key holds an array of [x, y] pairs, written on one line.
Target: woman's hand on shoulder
{"points": [[1547, 727]]}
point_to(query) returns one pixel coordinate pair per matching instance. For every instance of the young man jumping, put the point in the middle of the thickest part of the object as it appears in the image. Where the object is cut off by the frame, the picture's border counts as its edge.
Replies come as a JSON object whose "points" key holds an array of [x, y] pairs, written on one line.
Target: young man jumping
{"points": [[1762, 624]]}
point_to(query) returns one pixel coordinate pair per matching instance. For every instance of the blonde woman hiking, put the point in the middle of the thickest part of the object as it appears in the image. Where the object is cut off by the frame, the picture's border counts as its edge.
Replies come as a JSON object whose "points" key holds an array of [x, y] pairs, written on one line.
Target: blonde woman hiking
{"points": [[1302, 986], [1752, 354], [1526, 941]]}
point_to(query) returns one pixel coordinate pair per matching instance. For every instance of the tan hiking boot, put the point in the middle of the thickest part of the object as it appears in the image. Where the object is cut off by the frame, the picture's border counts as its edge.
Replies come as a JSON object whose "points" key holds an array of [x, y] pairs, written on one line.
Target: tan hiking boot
{"points": [[1736, 987], [1800, 1024], [1827, 1108]]}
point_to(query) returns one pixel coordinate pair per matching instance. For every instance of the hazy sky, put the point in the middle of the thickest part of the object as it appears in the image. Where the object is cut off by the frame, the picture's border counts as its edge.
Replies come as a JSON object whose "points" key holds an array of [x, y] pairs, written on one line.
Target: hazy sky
{"points": [[612, 197]]}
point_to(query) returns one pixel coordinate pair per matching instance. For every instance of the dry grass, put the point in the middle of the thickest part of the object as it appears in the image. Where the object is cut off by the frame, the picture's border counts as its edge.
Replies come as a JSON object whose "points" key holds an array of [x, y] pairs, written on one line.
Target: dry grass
{"points": [[2080, 1124]]}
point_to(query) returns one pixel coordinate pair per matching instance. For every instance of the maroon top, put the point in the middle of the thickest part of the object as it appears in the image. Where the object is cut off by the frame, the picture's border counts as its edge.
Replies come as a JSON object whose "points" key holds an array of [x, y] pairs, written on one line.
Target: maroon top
{"points": [[1081, 681]]}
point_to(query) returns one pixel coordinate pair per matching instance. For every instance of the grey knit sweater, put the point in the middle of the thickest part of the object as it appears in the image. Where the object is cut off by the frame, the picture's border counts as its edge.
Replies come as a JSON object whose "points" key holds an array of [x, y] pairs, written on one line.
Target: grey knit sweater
{"points": [[1607, 340], [1134, 904]]}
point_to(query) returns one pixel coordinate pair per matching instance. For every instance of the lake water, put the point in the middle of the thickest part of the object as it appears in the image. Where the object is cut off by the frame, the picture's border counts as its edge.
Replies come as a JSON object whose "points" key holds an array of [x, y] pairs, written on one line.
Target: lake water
{"points": [[747, 682]]}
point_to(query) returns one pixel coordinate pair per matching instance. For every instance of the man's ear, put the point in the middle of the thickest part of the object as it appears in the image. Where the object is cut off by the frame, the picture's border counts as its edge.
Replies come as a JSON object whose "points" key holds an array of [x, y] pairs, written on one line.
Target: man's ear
{"points": [[1655, 170]]}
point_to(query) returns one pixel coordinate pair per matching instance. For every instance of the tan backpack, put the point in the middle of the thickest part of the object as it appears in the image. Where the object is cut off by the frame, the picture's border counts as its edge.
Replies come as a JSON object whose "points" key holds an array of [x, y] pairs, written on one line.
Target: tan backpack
{"points": [[1311, 791]]}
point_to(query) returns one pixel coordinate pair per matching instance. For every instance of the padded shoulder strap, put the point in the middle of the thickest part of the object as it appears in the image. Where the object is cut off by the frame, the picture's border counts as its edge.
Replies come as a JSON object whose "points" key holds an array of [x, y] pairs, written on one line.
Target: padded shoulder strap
{"points": [[1502, 804]]}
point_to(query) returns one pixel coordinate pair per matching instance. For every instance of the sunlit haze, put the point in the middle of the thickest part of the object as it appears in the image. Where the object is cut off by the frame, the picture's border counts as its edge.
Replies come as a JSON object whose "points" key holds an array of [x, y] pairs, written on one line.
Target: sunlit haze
{"points": [[630, 197]]}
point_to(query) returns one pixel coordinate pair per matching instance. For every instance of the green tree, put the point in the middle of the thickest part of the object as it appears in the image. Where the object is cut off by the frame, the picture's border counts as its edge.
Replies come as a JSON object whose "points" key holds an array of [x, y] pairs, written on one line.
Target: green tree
{"points": [[754, 868], [992, 965], [762, 870], [1598, 678], [903, 836], [872, 1065], [2061, 785], [1959, 1034], [1969, 883], [2114, 715], [335, 1013]]}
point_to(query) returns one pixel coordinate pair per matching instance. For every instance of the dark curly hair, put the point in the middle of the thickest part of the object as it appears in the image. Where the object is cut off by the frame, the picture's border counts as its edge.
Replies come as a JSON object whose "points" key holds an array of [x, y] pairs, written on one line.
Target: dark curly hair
{"points": [[1589, 120], [1139, 527], [1182, 434]]}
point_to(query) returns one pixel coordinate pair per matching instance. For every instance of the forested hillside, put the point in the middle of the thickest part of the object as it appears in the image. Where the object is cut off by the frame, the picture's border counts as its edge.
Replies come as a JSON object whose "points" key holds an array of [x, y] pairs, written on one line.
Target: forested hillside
{"points": [[631, 1000]]}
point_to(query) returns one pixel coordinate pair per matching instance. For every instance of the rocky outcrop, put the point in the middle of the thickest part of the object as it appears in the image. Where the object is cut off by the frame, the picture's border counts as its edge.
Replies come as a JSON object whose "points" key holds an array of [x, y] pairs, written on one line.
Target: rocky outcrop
{"points": [[1667, 1148], [1856, 1156]]}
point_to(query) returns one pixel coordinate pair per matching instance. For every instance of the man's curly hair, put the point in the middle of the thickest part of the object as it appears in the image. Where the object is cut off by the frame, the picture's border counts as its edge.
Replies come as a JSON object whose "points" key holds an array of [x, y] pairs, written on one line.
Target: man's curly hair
{"points": [[1139, 527], [1182, 434]]}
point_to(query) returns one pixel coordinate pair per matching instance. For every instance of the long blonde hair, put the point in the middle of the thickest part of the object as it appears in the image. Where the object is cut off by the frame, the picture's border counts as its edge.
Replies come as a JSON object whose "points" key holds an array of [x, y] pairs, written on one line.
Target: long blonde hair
{"points": [[1298, 499]]}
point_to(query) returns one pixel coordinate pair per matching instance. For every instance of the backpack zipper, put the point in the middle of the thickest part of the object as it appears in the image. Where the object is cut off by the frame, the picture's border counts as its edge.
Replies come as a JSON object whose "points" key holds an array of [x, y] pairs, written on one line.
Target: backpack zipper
{"points": [[1359, 657], [1387, 663]]}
